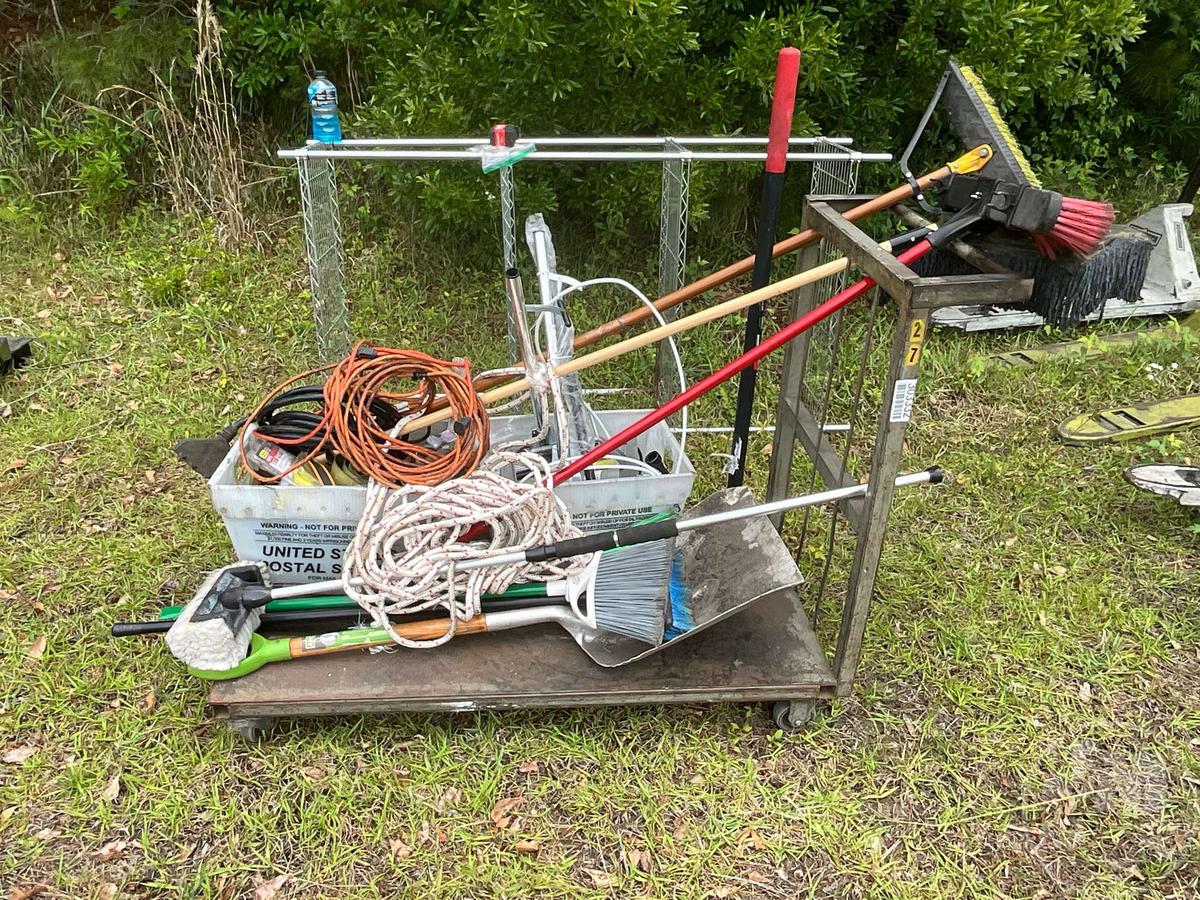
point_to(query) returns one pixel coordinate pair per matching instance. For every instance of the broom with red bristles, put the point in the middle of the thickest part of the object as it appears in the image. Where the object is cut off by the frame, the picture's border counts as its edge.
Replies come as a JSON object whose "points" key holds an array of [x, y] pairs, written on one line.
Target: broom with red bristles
{"points": [[1079, 228], [1076, 258]]}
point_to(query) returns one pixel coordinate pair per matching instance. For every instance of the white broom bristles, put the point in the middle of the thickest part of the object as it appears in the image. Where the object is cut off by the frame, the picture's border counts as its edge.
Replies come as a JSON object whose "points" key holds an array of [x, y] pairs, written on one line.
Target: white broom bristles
{"points": [[208, 636]]}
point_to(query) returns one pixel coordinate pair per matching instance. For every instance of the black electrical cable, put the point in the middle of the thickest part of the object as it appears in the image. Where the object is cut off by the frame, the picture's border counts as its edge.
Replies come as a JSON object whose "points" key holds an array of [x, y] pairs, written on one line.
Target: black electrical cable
{"points": [[280, 420]]}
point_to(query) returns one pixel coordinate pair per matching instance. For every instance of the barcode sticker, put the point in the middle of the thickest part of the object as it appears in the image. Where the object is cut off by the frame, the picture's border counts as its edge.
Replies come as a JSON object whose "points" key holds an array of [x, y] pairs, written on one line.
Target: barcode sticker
{"points": [[902, 399]]}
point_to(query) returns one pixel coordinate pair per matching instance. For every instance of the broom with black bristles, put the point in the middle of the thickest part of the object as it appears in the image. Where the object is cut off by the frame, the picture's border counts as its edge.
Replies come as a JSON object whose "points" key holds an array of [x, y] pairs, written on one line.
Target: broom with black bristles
{"points": [[1076, 259], [1075, 268]]}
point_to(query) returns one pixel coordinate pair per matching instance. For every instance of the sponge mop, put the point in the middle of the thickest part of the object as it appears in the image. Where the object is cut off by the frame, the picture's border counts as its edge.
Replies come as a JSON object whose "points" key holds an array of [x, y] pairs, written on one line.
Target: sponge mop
{"points": [[210, 635]]}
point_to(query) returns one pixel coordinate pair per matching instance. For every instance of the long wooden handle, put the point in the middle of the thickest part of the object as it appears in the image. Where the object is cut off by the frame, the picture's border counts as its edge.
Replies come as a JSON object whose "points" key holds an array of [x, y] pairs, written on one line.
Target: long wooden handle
{"points": [[732, 271], [654, 335], [424, 630]]}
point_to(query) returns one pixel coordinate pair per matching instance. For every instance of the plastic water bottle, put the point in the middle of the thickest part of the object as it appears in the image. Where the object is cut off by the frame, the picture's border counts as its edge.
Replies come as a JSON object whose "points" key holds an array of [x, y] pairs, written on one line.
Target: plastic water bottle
{"points": [[322, 99]]}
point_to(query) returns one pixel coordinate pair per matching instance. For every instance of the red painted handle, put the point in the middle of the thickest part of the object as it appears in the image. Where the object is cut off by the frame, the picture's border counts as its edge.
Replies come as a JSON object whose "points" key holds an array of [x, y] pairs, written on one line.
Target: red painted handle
{"points": [[783, 103], [727, 371]]}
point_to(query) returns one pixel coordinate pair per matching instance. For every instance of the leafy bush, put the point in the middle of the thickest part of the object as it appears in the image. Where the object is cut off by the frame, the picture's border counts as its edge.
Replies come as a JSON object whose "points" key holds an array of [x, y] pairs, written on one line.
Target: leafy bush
{"points": [[92, 149], [1092, 89], [670, 67]]}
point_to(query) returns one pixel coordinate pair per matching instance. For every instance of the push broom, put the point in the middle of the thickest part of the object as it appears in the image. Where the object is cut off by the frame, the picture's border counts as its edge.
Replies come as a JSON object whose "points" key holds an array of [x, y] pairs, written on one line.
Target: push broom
{"points": [[660, 535], [1070, 281]]}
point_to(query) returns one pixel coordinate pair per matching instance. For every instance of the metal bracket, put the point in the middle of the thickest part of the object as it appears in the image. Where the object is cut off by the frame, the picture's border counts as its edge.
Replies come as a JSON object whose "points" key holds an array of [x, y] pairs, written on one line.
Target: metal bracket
{"points": [[905, 169]]}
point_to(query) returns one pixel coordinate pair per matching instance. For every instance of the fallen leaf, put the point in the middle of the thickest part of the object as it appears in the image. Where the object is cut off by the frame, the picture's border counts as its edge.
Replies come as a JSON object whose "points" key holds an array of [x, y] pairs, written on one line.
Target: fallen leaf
{"points": [[430, 835], [749, 838], [313, 773], [638, 860], [151, 477], [500, 812], [47, 834], [5, 410], [529, 767], [696, 779], [600, 878], [45, 314], [527, 846], [14, 466], [1058, 570], [37, 648], [108, 890], [18, 755], [447, 801], [113, 789], [149, 702], [187, 852], [399, 849], [722, 892], [110, 851], [680, 831], [266, 890], [116, 368], [29, 891]]}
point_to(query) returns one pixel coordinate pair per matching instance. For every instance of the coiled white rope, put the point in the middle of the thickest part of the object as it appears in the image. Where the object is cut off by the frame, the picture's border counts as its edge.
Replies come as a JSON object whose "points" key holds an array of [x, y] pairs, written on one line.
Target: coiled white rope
{"points": [[406, 546]]}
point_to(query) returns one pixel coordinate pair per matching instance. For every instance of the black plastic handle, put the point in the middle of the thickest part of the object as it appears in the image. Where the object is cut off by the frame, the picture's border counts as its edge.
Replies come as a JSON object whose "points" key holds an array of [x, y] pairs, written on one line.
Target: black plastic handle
{"points": [[130, 629], [604, 540]]}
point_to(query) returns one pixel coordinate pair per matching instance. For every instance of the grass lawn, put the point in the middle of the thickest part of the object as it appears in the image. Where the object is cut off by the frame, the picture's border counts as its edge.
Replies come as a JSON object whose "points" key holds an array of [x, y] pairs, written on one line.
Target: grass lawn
{"points": [[1026, 722]]}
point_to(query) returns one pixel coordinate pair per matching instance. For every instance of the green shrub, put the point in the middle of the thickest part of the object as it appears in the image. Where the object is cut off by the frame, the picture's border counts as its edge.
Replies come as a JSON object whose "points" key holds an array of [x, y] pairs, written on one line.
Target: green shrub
{"points": [[666, 66], [1092, 89]]}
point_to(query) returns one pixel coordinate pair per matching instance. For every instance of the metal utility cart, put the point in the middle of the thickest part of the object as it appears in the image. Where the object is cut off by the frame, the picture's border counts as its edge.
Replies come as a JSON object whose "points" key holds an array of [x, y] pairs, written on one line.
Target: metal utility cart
{"points": [[844, 401]]}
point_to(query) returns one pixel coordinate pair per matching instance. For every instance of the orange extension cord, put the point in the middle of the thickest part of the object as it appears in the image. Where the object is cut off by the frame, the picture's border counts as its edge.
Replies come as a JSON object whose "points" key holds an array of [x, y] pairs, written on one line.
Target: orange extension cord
{"points": [[347, 427]]}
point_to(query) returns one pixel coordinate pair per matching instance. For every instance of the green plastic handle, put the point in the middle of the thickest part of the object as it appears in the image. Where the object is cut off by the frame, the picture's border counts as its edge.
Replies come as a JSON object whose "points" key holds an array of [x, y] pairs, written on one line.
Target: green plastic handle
{"points": [[262, 651]]}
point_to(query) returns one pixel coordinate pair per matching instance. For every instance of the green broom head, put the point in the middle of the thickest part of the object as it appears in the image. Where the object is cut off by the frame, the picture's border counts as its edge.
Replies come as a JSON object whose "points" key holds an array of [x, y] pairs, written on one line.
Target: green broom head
{"points": [[976, 120]]}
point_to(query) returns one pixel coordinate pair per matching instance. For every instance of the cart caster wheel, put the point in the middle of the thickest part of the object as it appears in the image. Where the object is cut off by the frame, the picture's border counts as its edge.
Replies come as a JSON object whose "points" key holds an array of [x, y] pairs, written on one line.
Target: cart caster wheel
{"points": [[792, 714], [251, 730]]}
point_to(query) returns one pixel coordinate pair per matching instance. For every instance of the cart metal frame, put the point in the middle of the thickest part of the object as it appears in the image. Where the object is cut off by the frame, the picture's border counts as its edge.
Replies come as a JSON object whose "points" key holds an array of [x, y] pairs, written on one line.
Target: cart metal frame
{"points": [[802, 414], [317, 170]]}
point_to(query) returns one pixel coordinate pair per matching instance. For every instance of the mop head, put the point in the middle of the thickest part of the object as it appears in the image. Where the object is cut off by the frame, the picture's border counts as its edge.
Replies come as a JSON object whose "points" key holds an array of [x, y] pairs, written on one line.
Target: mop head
{"points": [[207, 635], [1065, 290]]}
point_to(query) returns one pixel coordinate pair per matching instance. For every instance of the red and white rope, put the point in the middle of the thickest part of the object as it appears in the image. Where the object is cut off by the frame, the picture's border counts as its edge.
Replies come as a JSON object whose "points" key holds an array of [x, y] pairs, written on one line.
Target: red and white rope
{"points": [[407, 545]]}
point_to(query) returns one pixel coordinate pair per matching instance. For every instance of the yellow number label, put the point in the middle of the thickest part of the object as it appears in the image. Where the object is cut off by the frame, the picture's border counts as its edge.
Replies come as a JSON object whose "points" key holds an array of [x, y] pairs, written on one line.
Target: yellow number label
{"points": [[916, 340]]}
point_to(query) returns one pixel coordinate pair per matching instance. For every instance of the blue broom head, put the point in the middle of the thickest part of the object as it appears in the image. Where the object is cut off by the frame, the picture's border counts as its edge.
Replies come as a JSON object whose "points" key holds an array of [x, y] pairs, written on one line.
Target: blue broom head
{"points": [[680, 619]]}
